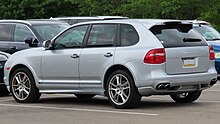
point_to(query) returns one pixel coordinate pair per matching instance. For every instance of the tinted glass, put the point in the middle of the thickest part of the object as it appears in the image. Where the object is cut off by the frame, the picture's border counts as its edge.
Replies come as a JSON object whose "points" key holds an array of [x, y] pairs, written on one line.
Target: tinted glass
{"points": [[129, 35], [102, 35], [72, 38], [48, 31], [209, 33], [177, 35], [22, 32], [6, 32]]}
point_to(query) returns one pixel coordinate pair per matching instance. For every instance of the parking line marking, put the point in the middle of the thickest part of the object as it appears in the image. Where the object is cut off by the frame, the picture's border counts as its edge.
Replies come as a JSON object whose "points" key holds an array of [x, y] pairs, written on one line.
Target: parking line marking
{"points": [[77, 109], [212, 90], [209, 101], [2, 100]]}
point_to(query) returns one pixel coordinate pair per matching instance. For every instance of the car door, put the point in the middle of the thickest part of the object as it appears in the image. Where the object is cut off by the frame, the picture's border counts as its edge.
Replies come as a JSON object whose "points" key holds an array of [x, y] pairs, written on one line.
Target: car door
{"points": [[60, 65], [97, 56], [6, 31], [21, 32]]}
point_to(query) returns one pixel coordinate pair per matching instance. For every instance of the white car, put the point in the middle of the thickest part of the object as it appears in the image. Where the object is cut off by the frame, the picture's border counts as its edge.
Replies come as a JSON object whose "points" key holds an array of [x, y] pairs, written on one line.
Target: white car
{"points": [[121, 59]]}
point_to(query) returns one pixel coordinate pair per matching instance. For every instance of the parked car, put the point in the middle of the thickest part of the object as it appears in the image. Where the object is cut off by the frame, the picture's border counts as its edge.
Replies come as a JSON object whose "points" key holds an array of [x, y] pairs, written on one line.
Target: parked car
{"points": [[77, 19], [3, 58], [16, 35], [212, 36], [121, 59]]}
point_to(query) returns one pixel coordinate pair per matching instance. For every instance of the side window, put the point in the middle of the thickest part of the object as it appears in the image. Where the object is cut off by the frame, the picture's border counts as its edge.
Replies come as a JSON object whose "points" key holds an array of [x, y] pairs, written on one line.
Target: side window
{"points": [[102, 35], [22, 32], [72, 38], [6, 32], [129, 35]]}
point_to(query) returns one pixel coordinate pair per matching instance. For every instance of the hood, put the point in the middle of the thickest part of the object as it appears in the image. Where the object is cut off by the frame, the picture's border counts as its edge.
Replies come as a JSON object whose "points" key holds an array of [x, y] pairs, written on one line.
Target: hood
{"points": [[29, 51]]}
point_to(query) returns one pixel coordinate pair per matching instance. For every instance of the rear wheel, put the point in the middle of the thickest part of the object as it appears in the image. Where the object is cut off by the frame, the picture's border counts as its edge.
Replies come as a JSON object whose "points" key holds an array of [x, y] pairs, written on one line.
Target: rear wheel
{"points": [[22, 86], [121, 90], [186, 97], [84, 96]]}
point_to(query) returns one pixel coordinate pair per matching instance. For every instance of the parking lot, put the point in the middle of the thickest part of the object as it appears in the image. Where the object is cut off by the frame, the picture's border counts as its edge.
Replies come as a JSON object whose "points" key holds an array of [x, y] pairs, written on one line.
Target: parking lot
{"points": [[66, 109]]}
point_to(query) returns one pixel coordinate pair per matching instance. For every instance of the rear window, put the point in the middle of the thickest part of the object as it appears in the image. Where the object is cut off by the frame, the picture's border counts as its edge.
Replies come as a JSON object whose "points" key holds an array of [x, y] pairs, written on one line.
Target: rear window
{"points": [[177, 35]]}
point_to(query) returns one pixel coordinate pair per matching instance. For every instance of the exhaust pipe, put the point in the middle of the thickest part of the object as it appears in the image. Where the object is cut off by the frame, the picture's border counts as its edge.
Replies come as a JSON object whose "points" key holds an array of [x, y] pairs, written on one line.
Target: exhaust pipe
{"points": [[213, 81], [163, 86]]}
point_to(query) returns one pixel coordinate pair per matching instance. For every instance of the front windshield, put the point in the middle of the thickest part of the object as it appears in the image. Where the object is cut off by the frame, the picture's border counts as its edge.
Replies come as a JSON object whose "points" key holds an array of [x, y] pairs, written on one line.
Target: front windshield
{"points": [[48, 31], [208, 32]]}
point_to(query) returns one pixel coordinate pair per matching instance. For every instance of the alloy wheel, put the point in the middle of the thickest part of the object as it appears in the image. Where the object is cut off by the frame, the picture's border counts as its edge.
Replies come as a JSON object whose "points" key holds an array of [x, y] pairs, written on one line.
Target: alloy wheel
{"points": [[21, 85], [119, 89]]}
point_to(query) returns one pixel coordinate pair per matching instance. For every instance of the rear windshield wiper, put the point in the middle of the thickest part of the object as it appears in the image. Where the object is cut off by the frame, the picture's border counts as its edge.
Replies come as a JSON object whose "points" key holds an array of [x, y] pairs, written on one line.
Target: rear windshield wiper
{"points": [[191, 40]]}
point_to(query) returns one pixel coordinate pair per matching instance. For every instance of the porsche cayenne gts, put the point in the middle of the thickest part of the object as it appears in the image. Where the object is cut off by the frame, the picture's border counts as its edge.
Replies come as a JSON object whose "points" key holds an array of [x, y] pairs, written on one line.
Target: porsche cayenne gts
{"points": [[121, 59]]}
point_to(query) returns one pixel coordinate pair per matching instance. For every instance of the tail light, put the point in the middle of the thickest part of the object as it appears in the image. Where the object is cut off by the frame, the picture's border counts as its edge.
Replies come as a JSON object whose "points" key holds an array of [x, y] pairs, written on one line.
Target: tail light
{"points": [[211, 53], [155, 56]]}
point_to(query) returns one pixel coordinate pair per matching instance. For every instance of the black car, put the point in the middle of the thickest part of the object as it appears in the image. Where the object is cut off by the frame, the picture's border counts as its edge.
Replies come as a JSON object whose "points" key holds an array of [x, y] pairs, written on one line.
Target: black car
{"points": [[16, 35], [3, 59]]}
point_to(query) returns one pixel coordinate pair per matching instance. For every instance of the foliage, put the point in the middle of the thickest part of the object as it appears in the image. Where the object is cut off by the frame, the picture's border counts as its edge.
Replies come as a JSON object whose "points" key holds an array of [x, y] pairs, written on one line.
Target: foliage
{"points": [[173, 9]]}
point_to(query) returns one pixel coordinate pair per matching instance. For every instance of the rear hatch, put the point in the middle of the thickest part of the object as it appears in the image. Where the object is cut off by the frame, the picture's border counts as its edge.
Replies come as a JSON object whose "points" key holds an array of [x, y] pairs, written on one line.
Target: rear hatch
{"points": [[186, 51]]}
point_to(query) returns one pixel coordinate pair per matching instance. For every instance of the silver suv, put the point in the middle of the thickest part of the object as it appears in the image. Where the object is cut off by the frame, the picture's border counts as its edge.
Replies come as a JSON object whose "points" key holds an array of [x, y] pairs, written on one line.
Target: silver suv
{"points": [[121, 59]]}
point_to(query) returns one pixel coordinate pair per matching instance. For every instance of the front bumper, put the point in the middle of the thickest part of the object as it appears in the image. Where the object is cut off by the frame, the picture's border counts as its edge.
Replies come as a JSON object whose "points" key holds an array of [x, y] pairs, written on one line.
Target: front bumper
{"points": [[1, 72]]}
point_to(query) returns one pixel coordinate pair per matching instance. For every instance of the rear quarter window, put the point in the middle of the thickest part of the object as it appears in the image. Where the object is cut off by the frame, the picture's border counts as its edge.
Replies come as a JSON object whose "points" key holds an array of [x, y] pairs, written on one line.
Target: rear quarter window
{"points": [[177, 35], [129, 35]]}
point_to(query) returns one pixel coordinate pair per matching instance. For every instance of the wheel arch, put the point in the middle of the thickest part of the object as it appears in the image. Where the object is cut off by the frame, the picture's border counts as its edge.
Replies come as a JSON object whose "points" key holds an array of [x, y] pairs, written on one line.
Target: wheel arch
{"points": [[14, 68], [114, 68]]}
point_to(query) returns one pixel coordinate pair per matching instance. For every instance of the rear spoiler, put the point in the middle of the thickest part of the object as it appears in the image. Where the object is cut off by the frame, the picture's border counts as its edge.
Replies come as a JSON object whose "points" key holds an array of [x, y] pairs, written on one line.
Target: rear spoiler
{"points": [[183, 27]]}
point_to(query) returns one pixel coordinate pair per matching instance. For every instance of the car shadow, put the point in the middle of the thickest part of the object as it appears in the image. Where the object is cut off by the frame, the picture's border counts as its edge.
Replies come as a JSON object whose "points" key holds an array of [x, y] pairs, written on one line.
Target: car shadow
{"points": [[103, 102]]}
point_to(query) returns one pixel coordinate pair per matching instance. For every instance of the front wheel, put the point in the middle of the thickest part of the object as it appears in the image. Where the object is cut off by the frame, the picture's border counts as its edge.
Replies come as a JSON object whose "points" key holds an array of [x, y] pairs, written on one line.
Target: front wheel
{"points": [[22, 86], [186, 97], [121, 90]]}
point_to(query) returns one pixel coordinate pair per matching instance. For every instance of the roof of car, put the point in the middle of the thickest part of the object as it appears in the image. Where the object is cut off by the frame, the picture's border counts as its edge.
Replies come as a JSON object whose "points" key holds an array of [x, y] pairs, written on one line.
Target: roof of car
{"points": [[33, 21], [90, 17], [147, 22]]}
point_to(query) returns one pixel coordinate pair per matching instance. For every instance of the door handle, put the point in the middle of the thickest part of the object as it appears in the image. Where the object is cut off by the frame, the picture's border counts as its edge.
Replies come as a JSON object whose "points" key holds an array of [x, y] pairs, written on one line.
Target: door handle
{"points": [[75, 56], [108, 55]]}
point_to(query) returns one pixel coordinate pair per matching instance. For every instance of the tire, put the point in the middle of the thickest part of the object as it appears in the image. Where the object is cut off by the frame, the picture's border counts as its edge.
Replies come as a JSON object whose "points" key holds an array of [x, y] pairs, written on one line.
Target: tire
{"points": [[23, 87], [188, 97], [4, 91], [121, 90], [84, 96]]}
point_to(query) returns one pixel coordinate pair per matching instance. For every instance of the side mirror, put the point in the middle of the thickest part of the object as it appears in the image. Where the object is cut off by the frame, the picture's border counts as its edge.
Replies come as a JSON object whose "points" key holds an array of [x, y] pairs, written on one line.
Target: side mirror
{"points": [[46, 44], [28, 40], [31, 42]]}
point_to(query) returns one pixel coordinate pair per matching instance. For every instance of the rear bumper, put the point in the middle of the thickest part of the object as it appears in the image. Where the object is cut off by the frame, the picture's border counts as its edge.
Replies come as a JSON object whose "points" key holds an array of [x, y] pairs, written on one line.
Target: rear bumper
{"points": [[178, 83]]}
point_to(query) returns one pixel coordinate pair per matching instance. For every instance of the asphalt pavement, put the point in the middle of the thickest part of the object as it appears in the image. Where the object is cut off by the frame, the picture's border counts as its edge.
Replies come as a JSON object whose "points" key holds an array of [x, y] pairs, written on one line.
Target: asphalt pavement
{"points": [[67, 109]]}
